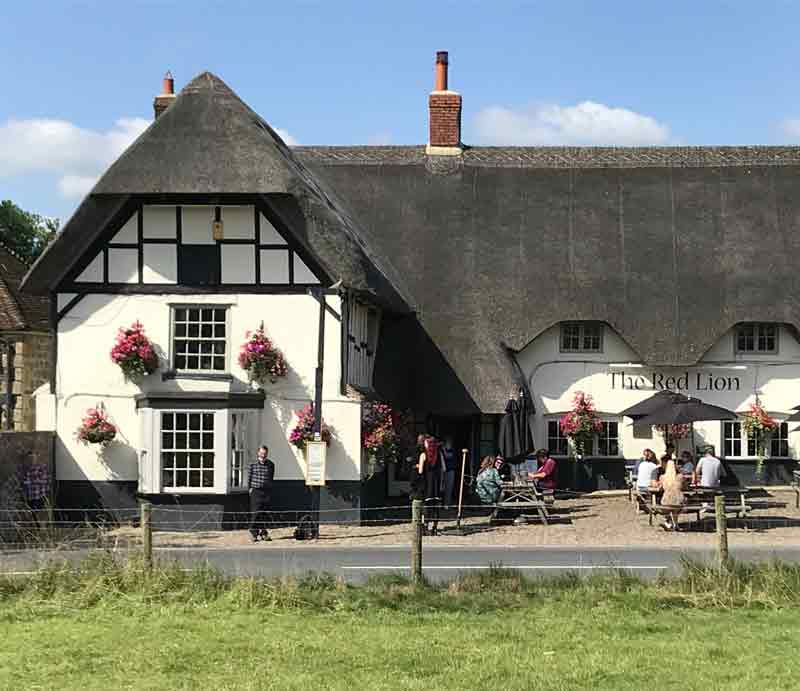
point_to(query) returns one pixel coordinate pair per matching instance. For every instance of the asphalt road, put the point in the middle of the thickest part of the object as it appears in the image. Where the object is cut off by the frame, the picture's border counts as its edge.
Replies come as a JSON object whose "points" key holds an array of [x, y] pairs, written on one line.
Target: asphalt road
{"points": [[439, 563]]}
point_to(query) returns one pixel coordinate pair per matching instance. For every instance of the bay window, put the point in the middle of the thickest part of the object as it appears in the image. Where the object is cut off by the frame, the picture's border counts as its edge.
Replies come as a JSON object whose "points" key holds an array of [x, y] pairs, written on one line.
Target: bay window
{"points": [[198, 446]]}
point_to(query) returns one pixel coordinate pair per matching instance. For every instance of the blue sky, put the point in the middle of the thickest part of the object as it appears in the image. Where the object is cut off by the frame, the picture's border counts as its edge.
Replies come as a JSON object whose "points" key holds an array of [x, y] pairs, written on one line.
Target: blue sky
{"points": [[79, 78]]}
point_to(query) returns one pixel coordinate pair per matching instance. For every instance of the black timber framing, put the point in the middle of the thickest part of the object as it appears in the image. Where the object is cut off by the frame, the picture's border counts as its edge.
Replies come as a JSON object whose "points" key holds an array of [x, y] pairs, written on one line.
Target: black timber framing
{"points": [[134, 205], [52, 318], [72, 302]]}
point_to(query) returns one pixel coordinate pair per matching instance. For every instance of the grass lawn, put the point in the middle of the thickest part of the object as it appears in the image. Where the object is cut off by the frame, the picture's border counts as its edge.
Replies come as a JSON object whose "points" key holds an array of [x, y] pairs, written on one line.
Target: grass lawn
{"points": [[393, 637]]}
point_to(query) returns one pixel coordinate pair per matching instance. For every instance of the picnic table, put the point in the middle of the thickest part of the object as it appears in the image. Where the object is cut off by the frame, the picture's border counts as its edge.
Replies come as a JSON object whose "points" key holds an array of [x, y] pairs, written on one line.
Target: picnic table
{"points": [[796, 485], [524, 495], [699, 500]]}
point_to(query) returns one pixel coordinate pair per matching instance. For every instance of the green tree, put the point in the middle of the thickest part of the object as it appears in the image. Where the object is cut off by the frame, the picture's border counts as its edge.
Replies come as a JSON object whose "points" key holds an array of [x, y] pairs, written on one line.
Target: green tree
{"points": [[27, 234]]}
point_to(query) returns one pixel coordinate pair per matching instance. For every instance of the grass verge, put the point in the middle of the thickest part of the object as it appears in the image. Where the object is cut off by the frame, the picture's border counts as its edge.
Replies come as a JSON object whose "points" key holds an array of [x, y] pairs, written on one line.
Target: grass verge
{"points": [[112, 624]]}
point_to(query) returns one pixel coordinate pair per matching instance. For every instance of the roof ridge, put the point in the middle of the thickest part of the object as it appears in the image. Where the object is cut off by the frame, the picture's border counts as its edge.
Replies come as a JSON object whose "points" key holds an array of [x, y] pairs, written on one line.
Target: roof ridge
{"points": [[13, 253]]}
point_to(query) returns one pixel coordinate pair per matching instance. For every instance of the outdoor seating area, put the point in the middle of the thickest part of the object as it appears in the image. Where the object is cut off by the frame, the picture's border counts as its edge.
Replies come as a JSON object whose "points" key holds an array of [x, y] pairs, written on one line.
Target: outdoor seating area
{"points": [[738, 502]]}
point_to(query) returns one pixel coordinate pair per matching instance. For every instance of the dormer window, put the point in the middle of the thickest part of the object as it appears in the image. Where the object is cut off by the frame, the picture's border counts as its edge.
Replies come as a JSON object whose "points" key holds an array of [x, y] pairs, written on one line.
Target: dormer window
{"points": [[581, 337], [757, 338]]}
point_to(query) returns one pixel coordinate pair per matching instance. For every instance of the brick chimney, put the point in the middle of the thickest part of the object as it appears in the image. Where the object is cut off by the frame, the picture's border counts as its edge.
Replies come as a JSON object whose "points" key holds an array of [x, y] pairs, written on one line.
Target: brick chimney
{"points": [[166, 97], [444, 107]]}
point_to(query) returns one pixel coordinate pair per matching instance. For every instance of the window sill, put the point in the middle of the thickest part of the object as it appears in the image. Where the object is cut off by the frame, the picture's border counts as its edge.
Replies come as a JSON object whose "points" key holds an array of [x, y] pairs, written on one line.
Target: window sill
{"points": [[196, 376]]}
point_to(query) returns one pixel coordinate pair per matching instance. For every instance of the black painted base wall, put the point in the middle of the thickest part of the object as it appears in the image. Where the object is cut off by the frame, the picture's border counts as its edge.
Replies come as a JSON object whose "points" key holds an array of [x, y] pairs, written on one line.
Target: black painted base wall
{"points": [[79, 500], [601, 474]]}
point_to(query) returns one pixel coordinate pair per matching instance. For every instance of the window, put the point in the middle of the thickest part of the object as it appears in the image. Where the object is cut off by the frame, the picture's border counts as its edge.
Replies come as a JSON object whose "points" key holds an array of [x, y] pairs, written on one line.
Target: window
{"points": [[779, 443], [732, 439], [756, 338], [556, 442], [199, 339], [581, 337], [187, 449], [608, 439], [240, 447]]}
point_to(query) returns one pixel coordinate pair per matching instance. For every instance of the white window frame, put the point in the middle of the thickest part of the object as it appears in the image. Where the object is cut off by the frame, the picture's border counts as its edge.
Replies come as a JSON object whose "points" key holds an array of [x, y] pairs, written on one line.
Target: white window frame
{"points": [[757, 327], [745, 442], [581, 326], [554, 451], [742, 439], [173, 338], [619, 453], [150, 468]]}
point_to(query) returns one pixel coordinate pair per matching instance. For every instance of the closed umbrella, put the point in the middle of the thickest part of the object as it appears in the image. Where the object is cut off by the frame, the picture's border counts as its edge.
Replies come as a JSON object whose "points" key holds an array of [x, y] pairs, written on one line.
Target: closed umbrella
{"points": [[516, 439]]}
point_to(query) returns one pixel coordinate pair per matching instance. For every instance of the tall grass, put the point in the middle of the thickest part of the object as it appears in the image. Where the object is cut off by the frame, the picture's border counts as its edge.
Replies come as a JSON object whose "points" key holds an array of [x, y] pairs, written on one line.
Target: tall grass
{"points": [[111, 582]]}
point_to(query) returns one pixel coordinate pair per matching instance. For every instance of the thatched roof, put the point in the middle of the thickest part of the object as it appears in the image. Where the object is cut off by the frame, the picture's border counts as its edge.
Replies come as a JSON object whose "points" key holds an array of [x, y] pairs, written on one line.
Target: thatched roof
{"points": [[210, 142], [671, 246]]}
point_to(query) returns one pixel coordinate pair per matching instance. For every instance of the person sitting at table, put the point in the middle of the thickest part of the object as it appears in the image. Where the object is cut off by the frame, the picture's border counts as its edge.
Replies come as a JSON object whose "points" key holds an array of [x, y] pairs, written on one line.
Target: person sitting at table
{"points": [[488, 484], [708, 470], [545, 476], [645, 475], [673, 498], [662, 468], [687, 464]]}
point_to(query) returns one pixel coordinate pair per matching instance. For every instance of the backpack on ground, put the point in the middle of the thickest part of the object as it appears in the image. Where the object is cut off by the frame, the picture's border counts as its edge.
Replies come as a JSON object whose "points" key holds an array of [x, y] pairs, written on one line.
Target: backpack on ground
{"points": [[306, 529]]}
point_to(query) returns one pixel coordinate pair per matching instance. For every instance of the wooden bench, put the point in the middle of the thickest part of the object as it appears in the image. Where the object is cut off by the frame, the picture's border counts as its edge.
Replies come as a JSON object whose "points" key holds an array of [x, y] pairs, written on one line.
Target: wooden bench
{"points": [[647, 503]]}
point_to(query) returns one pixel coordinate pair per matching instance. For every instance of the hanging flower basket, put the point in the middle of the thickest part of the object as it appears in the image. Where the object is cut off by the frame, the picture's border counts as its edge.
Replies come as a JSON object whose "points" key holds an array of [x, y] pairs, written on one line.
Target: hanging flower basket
{"points": [[304, 429], [134, 353], [760, 426], [96, 428], [581, 423], [381, 427], [259, 357], [674, 431]]}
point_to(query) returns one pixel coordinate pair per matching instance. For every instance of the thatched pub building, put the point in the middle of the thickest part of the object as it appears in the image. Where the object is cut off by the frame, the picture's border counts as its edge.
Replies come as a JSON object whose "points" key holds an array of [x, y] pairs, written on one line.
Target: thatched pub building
{"points": [[454, 276]]}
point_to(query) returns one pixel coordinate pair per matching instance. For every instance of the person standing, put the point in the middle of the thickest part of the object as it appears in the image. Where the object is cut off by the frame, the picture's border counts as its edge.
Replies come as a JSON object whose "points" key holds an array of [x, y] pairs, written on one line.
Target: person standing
{"points": [[450, 463], [428, 466], [259, 482]]}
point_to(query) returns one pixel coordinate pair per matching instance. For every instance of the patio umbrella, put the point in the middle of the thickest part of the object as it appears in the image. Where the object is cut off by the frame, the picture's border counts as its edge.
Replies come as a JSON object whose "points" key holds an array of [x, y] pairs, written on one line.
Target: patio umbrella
{"points": [[653, 404], [516, 440], [686, 412]]}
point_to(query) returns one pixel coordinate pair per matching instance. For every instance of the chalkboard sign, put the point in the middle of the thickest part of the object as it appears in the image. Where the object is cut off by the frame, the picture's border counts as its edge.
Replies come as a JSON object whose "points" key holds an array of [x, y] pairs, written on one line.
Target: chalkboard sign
{"points": [[316, 453]]}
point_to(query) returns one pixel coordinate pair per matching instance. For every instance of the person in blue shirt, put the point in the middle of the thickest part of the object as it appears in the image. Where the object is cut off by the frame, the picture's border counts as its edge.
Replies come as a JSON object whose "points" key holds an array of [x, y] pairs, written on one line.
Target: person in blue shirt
{"points": [[450, 458]]}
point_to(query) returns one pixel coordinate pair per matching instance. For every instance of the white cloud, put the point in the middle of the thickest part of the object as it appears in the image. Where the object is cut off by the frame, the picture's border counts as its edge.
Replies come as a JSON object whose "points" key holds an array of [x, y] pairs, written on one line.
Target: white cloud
{"points": [[76, 186], [584, 124], [75, 154], [790, 127], [288, 139]]}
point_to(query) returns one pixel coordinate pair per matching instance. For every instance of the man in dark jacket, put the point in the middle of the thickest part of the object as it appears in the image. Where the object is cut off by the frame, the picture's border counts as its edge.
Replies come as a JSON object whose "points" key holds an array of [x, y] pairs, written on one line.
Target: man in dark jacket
{"points": [[259, 482]]}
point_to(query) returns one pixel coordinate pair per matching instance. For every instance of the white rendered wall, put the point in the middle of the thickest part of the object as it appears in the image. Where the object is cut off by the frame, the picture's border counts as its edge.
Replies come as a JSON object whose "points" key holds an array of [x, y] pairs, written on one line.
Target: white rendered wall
{"points": [[616, 380], [86, 377]]}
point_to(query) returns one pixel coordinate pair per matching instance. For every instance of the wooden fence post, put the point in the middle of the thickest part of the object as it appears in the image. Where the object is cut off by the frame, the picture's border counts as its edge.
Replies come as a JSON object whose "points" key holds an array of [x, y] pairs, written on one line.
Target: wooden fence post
{"points": [[722, 530], [416, 541], [147, 533]]}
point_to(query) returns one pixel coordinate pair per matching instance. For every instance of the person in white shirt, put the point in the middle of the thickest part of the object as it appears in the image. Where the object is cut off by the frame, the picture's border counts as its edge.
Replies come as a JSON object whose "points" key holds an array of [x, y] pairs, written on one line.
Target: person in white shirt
{"points": [[646, 472], [709, 470]]}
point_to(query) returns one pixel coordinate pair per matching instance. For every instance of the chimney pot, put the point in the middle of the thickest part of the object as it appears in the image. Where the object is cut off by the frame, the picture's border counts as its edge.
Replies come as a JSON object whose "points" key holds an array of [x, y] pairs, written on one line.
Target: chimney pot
{"points": [[168, 84], [167, 95], [441, 70], [444, 111]]}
